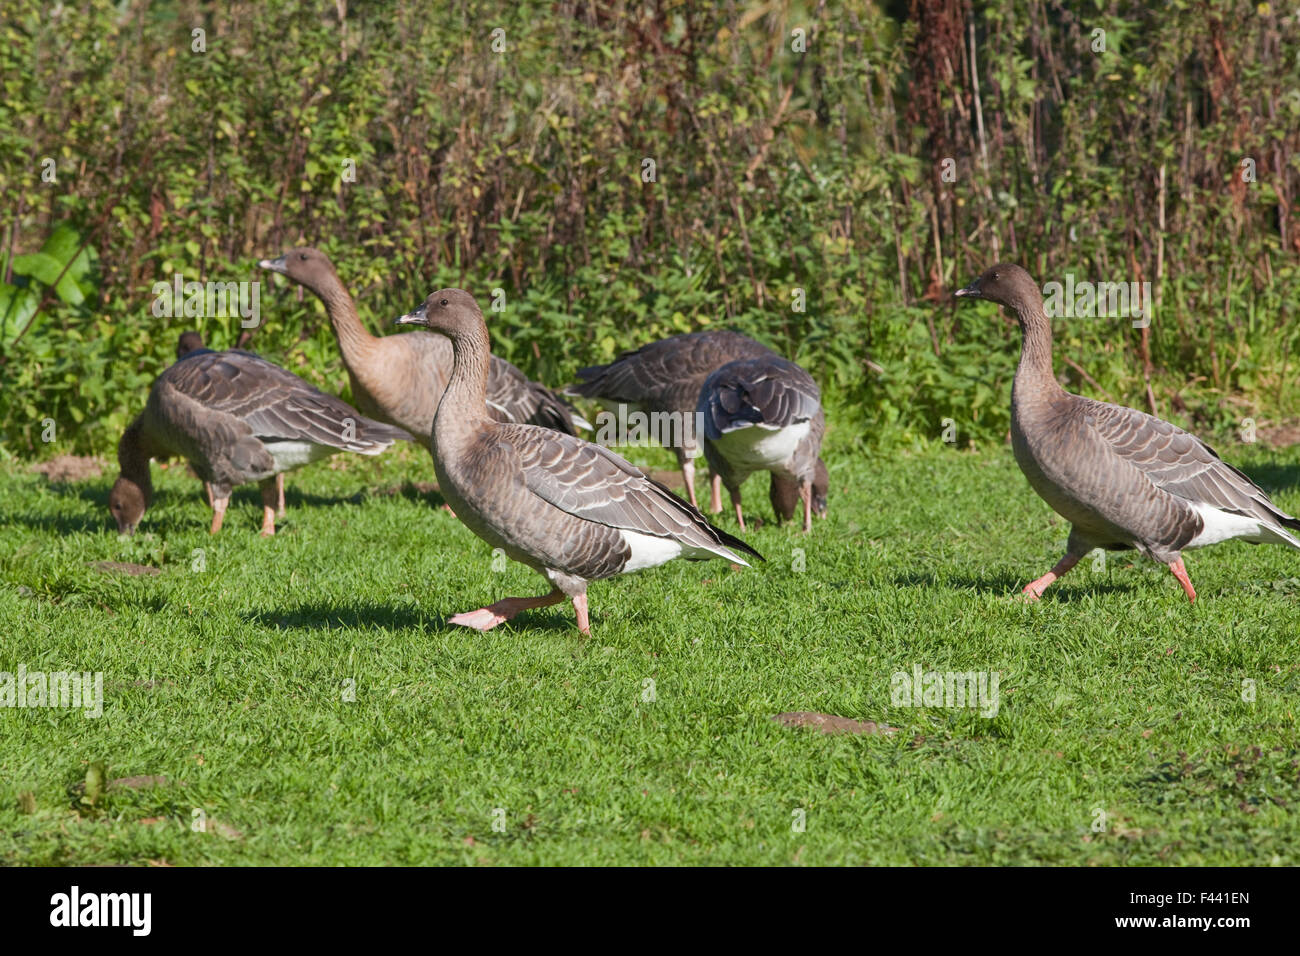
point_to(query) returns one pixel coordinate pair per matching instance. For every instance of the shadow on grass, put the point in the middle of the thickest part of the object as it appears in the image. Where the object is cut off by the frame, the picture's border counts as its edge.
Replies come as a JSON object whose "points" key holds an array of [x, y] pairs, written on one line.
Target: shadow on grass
{"points": [[1273, 478], [364, 615], [1007, 585], [96, 495]]}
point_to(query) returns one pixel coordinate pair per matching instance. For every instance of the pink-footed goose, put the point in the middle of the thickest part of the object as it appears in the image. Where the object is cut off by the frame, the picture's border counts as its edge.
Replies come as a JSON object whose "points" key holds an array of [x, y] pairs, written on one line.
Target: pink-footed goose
{"points": [[665, 377], [192, 341], [765, 414], [236, 418], [399, 378], [572, 511], [1122, 478]]}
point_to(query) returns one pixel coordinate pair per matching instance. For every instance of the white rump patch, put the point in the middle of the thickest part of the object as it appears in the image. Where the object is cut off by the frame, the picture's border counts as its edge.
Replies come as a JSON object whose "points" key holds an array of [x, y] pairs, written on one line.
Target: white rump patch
{"points": [[295, 454], [1223, 526], [761, 447], [650, 551]]}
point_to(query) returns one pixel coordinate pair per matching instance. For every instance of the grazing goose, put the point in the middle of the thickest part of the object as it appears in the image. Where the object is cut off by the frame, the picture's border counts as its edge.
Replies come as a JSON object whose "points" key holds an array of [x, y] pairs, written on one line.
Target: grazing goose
{"points": [[1122, 478], [765, 414], [236, 418], [665, 377], [187, 343], [192, 341], [572, 511], [399, 378]]}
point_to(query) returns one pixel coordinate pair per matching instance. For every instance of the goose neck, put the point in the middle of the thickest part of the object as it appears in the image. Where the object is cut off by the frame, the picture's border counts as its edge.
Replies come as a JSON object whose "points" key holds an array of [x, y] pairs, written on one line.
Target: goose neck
{"points": [[464, 402], [133, 459], [353, 337], [1035, 366]]}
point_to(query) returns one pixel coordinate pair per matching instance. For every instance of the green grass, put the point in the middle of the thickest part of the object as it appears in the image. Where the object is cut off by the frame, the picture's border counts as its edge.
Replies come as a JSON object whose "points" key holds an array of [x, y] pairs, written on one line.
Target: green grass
{"points": [[1115, 693]]}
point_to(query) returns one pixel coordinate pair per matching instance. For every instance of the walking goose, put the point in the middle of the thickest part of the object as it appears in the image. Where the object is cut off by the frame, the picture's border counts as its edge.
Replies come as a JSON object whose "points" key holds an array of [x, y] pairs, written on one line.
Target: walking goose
{"points": [[572, 511], [236, 418], [1122, 478], [665, 377], [765, 414], [399, 378]]}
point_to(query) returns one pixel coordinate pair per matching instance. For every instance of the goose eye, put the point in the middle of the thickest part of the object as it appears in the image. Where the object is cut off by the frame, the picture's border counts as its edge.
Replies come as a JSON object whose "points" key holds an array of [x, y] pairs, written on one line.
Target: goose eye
{"points": [[303, 256], [443, 302]]}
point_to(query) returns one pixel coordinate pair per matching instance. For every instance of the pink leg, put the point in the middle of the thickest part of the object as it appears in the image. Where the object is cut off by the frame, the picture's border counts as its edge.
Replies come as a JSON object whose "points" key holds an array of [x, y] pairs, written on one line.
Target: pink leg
{"points": [[580, 609], [740, 515], [1034, 589], [279, 491], [715, 497], [218, 513], [271, 488], [207, 487], [1180, 572], [486, 618], [688, 477], [805, 492]]}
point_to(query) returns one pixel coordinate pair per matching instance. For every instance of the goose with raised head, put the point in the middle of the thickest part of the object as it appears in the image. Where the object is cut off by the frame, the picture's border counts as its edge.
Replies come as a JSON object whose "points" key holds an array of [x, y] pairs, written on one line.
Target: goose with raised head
{"points": [[1122, 478], [765, 414], [236, 418], [665, 377], [400, 378], [572, 511]]}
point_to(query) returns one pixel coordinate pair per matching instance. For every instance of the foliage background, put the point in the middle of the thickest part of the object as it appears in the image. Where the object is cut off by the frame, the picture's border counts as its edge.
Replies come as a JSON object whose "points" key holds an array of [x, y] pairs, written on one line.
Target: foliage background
{"points": [[775, 170]]}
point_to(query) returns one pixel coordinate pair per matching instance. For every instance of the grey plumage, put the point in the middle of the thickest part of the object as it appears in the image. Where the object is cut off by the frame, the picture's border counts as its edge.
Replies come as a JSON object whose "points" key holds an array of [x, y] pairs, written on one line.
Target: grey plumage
{"points": [[399, 379], [1122, 478], [573, 511], [236, 418], [665, 376], [764, 414]]}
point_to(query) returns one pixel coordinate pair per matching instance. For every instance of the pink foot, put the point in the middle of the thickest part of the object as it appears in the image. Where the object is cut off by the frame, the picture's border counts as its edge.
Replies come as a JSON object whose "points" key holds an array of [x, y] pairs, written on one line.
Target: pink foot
{"points": [[1180, 572], [484, 619], [1034, 589]]}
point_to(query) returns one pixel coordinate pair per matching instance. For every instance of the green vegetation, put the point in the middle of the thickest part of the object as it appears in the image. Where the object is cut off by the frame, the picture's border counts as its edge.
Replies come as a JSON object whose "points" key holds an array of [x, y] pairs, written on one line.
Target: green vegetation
{"points": [[775, 170], [1115, 694]]}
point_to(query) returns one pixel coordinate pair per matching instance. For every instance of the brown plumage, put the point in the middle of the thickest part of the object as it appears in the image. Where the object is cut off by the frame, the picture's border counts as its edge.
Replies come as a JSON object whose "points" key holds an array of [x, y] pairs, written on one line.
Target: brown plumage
{"points": [[572, 511], [666, 376], [236, 418], [1122, 478], [400, 378], [765, 414]]}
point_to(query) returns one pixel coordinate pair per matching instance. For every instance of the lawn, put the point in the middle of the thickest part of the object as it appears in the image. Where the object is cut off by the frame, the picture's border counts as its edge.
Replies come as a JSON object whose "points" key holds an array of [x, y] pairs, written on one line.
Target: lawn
{"points": [[305, 702]]}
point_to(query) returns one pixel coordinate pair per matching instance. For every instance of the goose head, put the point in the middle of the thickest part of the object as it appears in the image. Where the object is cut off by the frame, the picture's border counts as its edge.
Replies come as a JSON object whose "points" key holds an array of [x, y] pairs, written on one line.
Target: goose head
{"points": [[127, 502], [188, 342], [306, 266], [453, 312], [820, 489], [1006, 284]]}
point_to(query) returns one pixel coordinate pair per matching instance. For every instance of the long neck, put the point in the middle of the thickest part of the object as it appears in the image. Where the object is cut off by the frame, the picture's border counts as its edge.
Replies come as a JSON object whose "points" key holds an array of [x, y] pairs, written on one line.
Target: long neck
{"points": [[354, 339], [463, 407], [133, 459], [1035, 370]]}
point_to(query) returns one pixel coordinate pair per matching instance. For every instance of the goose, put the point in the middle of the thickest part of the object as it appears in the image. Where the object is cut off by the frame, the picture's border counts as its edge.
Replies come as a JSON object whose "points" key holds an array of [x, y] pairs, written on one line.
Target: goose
{"points": [[765, 414], [236, 418], [1122, 478], [665, 377], [187, 343], [398, 379], [573, 511]]}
